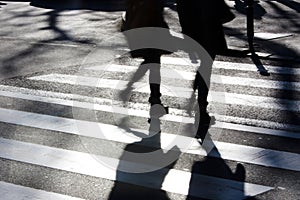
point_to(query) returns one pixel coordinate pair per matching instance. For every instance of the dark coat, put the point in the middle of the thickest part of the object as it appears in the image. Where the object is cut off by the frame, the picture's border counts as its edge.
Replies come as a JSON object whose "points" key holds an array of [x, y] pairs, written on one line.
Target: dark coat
{"points": [[144, 13], [202, 20]]}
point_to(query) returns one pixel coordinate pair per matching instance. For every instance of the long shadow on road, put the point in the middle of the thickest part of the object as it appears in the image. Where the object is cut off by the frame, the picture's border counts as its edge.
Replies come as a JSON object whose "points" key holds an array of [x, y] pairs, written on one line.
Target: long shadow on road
{"points": [[36, 52], [102, 5]]}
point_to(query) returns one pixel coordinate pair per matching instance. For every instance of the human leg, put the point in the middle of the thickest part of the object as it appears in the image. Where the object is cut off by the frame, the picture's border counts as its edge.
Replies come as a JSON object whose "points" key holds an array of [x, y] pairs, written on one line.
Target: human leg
{"points": [[202, 84]]}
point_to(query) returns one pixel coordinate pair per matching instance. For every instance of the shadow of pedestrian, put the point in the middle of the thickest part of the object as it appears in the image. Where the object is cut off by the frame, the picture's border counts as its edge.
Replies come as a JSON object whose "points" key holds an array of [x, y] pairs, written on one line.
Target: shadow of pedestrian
{"points": [[17, 62], [259, 11], [143, 165], [212, 178], [291, 4], [116, 5], [154, 77], [259, 65]]}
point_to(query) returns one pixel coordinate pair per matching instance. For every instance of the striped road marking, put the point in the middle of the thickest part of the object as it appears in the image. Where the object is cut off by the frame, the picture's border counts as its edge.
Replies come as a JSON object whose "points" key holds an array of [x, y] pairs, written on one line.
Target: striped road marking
{"points": [[141, 110], [179, 74], [88, 164], [165, 72], [10, 191], [258, 83], [111, 84], [240, 153], [219, 97], [233, 66]]}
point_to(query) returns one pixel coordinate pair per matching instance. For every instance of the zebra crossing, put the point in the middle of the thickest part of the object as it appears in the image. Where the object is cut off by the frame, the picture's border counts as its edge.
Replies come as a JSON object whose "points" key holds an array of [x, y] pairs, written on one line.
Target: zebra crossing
{"points": [[69, 121]]}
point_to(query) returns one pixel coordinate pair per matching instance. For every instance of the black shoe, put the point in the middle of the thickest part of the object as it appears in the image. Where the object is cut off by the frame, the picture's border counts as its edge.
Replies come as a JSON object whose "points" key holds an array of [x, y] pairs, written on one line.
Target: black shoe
{"points": [[204, 124], [240, 173], [205, 119], [201, 133]]}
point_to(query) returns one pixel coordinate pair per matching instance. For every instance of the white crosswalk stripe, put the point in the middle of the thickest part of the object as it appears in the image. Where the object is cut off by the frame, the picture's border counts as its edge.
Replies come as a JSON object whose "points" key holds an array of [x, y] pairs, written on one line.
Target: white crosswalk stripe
{"points": [[234, 66], [140, 110], [232, 98], [66, 159], [179, 74], [12, 191], [85, 164], [229, 151]]}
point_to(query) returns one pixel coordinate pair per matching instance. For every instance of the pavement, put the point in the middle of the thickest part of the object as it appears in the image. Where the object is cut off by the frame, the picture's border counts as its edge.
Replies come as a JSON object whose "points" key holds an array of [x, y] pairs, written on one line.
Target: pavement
{"points": [[45, 45], [276, 24], [276, 28]]}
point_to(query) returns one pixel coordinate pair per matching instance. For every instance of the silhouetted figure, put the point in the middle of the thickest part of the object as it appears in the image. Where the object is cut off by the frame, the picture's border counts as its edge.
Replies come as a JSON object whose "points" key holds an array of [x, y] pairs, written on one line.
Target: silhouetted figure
{"points": [[206, 174], [142, 166], [139, 14], [202, 21]]}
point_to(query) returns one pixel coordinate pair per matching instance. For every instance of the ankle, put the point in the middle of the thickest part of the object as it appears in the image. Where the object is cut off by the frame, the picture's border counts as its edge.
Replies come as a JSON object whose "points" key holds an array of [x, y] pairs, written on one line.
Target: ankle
{"points": [[154, 100]]}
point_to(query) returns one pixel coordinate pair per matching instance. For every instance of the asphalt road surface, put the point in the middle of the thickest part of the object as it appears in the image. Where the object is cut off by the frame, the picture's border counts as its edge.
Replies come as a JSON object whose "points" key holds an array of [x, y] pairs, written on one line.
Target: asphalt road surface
{"points": [[72, 126]]}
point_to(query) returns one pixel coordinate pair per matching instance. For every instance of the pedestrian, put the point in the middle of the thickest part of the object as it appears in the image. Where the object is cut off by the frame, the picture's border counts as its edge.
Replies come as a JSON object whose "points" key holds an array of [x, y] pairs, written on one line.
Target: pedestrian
{"points": [[202, 21], [139, 14]]}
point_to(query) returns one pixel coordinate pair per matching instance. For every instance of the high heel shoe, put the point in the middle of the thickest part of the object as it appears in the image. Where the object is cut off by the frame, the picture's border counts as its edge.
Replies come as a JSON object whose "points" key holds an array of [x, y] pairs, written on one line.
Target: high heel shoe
{"points": [[205, 122]]}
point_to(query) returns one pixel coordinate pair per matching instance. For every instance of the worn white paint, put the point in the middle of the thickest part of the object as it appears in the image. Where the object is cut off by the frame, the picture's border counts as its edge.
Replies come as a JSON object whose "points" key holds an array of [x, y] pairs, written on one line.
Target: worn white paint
{"points": [[9, 191], [88, 164]]}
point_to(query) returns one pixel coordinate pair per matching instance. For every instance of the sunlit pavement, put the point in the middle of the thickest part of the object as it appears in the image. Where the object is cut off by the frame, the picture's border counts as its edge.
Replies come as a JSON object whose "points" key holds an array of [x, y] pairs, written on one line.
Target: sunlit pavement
{"points": [[65, 132]]}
